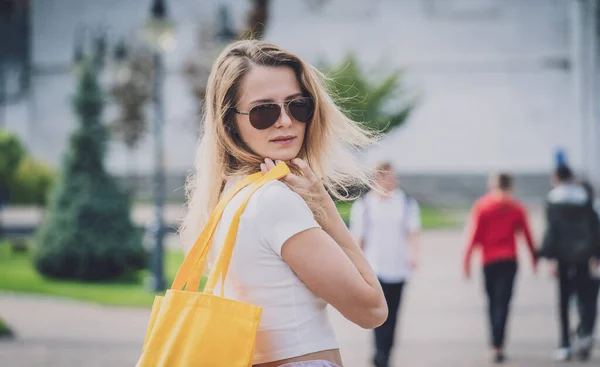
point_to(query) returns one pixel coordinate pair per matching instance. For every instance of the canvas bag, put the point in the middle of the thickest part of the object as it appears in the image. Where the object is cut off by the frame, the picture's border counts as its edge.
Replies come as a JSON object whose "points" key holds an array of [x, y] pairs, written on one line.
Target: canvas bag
{"points": [[192, 328]]}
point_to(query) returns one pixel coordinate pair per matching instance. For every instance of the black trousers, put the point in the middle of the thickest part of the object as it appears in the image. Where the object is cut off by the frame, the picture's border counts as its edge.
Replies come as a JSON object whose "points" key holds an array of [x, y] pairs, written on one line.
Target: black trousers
{"points": [[499, 282], [592, 309], [594, 303], [384, 334], [576, 280]]}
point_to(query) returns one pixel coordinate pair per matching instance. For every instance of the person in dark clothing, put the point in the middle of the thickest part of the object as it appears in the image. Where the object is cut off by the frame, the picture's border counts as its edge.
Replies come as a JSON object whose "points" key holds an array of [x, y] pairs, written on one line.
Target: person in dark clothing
{"points": [[571, 241], [497, 220], [595, 270]]}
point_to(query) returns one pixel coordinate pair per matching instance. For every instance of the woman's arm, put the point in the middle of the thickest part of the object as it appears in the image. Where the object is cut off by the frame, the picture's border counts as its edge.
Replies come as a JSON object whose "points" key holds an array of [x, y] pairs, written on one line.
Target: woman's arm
{"points": [[328, 260]]}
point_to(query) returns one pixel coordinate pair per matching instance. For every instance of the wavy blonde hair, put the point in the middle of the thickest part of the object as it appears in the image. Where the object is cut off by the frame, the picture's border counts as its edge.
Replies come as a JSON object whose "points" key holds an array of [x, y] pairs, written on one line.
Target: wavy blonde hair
{"points": [[330, 143]]}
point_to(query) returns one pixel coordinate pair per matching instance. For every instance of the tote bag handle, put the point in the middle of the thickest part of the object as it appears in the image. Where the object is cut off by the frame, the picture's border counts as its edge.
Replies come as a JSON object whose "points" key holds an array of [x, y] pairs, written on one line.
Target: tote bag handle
{"points": [[222, 264], [199, 251]]}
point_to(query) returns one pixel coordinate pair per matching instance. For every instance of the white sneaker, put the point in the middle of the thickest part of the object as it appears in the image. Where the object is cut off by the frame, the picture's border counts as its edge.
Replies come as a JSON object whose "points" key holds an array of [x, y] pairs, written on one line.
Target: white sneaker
{"points": [[562, 354]]}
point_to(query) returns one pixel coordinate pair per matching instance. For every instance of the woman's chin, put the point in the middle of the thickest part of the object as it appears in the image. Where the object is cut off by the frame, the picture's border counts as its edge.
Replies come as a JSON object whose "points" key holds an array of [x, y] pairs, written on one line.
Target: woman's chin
{"points": [[283, 158], [282, 155]]}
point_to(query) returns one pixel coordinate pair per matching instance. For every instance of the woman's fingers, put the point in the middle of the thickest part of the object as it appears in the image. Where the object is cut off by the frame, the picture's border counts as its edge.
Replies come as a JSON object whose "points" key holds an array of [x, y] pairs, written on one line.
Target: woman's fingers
{"points": [[312, 181], [270, 164], [298, 183], [267, 166], [293, 180], [305, 169]]}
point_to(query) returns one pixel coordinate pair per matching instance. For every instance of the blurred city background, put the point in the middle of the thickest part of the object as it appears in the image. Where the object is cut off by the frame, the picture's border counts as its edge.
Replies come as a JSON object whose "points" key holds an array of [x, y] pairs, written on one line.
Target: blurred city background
{"points": [[100, 105]]}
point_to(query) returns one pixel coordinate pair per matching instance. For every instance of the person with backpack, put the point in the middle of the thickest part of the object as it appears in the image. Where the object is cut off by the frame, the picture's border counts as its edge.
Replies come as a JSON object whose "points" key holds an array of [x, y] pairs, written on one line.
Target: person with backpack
{"points": [[587, 342], [497, 219], [386, 223], [571, 242]]}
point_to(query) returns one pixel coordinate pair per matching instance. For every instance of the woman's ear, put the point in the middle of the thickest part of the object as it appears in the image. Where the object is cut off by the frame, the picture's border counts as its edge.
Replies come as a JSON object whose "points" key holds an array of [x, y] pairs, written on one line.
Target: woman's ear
{"points": [[234, 131], [231, 125]]}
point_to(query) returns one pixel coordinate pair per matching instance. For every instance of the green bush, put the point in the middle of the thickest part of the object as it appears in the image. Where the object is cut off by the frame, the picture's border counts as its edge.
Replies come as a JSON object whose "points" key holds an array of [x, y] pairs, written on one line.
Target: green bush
{"points": [[32, 182], [23, 179], [11, 154], [5, 332], [87, 233]]}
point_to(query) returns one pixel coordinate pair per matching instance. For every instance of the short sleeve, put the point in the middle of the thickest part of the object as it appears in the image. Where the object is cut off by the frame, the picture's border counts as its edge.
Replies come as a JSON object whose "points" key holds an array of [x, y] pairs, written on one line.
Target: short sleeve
{"points": [[414, 216], [282, 213]]}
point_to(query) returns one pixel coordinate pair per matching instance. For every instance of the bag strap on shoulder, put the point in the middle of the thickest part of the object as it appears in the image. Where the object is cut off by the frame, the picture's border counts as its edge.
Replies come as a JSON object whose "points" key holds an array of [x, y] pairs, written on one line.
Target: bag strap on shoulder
{"points": [[222, 263], [199, 250]]}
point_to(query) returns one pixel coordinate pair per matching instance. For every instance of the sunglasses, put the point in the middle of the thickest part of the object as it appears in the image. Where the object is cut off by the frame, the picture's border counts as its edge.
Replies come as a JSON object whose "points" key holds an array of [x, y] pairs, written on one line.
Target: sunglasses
{"points": [[263, 116]]}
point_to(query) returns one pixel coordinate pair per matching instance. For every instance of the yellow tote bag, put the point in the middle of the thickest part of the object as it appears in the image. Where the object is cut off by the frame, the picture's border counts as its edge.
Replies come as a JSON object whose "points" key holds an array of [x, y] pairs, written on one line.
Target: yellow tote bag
{"points": [[191, 328]]}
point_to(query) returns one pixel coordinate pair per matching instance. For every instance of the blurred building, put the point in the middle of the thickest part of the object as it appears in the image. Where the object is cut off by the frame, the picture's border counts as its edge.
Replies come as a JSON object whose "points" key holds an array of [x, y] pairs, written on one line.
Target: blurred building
{"points": [[502, 83]]}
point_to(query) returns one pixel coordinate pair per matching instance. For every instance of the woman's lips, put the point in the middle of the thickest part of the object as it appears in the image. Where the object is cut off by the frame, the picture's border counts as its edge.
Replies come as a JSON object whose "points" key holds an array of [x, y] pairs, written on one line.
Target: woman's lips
{"points": [[284, 140]]}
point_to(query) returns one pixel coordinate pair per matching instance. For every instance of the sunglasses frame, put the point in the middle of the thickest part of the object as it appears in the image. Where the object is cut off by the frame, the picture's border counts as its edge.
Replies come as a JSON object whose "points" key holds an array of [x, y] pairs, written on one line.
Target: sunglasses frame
{"points": [[282, 105]]}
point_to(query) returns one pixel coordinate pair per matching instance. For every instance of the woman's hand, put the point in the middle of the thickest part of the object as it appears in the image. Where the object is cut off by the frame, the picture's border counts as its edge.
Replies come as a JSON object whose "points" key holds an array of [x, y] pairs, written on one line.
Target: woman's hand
{"points": [[307, 184]]}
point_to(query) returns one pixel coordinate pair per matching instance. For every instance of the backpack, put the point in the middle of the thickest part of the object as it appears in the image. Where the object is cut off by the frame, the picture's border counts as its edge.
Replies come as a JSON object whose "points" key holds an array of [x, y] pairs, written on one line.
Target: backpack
{"points": [[409, 201], [572, 236]]}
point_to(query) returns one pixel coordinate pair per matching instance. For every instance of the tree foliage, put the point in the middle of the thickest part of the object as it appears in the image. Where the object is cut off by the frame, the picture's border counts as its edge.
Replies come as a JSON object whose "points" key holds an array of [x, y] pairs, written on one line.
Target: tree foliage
{"points": [[87, 232], [380, 105]]}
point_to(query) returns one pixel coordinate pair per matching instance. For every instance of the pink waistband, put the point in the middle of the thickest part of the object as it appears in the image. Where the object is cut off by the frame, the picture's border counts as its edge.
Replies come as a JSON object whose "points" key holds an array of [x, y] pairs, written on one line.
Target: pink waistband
{"points": [[319, 363]]}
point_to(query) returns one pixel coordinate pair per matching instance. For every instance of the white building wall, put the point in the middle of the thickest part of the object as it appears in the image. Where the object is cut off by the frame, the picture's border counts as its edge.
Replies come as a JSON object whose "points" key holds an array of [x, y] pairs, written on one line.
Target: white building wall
{"points": [[491, 97], [491, 94]]}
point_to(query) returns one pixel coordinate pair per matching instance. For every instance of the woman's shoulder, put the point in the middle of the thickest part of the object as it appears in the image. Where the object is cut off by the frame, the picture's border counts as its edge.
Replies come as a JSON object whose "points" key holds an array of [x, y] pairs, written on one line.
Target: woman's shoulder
{"points": [[274, 190], [276, 198], [279, 213]]}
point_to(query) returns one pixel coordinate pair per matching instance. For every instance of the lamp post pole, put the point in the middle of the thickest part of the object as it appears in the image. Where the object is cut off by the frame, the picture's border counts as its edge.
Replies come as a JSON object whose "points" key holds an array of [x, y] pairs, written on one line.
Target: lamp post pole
{"points": [[158, 282], [3, 95], [158, 14]]}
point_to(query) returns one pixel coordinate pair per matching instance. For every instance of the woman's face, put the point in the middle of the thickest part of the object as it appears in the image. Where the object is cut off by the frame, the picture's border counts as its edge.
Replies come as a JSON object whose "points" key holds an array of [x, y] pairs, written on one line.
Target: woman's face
{"points": [[282, 140]]}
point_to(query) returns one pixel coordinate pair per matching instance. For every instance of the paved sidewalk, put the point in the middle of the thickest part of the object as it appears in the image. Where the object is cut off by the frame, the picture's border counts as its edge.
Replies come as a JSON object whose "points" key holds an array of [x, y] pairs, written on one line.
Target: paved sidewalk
{"points": [[142, 214], [442, 323]]}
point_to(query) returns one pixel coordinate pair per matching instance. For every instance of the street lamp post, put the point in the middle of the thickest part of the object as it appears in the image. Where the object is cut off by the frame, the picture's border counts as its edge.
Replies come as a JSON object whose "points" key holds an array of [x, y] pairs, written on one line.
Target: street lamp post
{"points": [[122, 69], [159, 32], [224, 32], [3, 95]]}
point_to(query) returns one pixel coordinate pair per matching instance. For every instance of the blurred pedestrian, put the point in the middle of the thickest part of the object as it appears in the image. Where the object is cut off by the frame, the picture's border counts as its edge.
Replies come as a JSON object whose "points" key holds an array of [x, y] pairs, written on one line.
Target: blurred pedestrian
{"points": [[386, 224], [586, 344], [497, 219], [571, 242]]}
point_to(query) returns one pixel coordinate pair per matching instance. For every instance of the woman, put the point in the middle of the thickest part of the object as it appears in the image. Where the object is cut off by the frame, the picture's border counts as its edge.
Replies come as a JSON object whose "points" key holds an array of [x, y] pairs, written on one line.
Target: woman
{"points": [[293, 254]]}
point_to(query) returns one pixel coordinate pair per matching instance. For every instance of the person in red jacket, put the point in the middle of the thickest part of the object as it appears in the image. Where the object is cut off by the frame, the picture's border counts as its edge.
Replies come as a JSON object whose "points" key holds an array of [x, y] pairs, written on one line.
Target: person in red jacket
{"points": [[497, 219]]}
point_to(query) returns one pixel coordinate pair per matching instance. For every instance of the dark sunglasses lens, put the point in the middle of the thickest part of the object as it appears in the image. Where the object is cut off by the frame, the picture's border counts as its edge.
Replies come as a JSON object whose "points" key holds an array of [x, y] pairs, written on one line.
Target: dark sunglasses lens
{"points": [[264, 116], [302, 109]]}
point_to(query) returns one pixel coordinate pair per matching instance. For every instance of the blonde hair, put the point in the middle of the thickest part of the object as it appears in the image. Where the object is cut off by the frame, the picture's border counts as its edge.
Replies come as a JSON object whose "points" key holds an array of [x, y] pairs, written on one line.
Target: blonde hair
{"points": [[330, 143]]}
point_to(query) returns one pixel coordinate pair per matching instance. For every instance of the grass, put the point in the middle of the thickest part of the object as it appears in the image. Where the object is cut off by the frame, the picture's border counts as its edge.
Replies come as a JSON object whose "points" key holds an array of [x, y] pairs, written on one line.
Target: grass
{"points": [[431, 218], [18, 274]]}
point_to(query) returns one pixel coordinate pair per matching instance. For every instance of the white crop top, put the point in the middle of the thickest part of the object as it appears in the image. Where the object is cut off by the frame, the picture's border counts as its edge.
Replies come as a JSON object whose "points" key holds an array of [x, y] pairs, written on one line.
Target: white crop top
{"points": [[294, 320]]}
